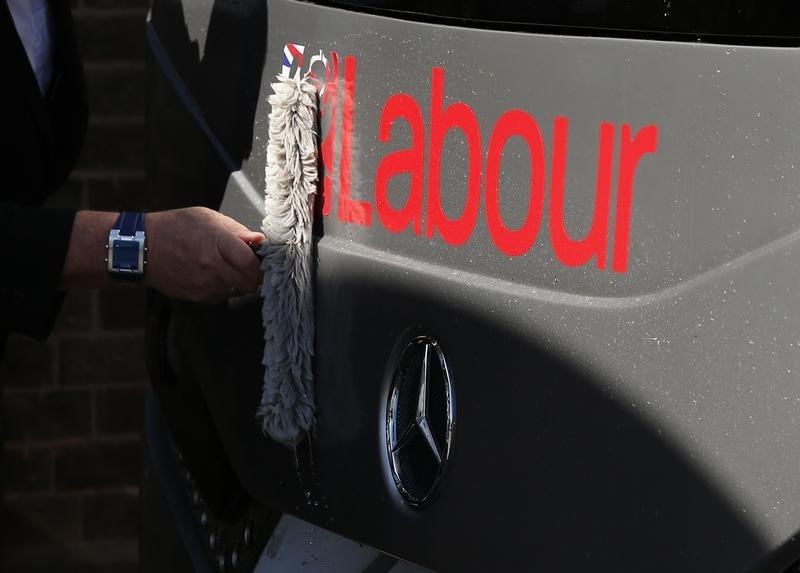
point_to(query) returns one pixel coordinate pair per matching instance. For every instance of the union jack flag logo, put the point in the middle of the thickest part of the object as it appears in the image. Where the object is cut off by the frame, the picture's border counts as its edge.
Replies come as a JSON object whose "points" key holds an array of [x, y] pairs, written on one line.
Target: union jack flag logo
{"points": [[292, 58]]}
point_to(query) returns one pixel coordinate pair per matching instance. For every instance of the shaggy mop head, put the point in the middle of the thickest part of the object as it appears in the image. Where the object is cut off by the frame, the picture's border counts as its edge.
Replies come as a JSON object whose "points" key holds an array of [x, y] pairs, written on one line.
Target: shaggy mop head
{"points": [[287, 403]]}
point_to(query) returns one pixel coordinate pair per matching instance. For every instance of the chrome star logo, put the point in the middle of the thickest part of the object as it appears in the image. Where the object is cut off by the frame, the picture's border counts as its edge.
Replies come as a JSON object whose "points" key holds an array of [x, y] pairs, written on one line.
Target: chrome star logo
{"points": [[420, 420], [420, 426]]}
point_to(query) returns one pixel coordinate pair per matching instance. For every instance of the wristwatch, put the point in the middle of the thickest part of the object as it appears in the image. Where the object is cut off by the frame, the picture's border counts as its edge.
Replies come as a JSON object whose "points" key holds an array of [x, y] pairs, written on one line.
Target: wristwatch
{"points": [[127, 253]]}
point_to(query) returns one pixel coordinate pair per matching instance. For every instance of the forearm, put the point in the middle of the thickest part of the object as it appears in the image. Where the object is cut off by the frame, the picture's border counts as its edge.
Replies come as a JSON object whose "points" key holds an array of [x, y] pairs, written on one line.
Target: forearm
{"points": [[85, 266], [193, 253]]}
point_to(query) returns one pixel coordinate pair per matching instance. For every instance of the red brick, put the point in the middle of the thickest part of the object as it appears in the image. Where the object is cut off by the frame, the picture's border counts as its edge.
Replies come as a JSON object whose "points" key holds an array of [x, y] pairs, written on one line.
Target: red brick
{"points": [[117, 91], [114, 4], [123, 308], [120, 411], [26, 471], [46, 416], [27, 363], [104, 37], [77, 312], [117, 556], [113, 147], [103, 360], [117, 194], [98, 465], [39, 519], [110, 516]]}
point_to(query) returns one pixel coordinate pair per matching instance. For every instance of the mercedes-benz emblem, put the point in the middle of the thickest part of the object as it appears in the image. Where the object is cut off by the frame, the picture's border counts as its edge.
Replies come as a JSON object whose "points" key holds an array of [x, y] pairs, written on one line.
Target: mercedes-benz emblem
{"points": [[420, 419]]}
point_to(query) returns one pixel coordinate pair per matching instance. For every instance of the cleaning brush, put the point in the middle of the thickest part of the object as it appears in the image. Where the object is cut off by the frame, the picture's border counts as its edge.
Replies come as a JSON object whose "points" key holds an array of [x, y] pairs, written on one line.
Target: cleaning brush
{"points": [[287, 406]]}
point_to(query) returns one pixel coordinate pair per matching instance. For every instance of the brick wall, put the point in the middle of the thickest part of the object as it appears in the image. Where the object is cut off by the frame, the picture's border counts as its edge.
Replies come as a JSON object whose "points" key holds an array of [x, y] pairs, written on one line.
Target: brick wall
{"points": [[73, 405]]}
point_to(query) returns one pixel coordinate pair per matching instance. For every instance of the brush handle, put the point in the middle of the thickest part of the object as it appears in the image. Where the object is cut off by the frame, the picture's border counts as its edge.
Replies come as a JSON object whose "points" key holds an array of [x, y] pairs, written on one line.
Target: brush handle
{"points": [[256, 247]]}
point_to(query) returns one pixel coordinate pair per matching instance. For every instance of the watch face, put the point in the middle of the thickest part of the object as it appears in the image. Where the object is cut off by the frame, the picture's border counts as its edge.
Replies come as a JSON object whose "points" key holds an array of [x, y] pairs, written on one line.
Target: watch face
{"points": [[126, 255]]}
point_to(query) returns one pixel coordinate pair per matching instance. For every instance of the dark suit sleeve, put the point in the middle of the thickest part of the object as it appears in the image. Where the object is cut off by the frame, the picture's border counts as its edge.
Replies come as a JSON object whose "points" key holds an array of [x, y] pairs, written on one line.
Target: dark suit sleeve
{"points": [[33, 247]]}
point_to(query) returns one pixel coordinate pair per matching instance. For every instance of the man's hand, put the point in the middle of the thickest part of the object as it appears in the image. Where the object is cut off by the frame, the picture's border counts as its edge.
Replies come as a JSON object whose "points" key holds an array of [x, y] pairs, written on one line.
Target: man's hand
{"points": [[194, 254], [201, 255]]}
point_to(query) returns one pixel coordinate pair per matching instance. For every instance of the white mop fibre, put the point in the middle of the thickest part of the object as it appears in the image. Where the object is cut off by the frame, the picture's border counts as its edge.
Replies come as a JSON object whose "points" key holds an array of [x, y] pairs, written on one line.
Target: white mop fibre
{"points": [[287, 408]]}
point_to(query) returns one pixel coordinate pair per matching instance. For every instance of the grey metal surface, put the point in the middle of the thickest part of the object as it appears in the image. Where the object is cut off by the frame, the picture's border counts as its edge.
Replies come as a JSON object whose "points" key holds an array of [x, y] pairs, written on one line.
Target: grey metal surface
{"points": [[300, 546], [637, 420]]}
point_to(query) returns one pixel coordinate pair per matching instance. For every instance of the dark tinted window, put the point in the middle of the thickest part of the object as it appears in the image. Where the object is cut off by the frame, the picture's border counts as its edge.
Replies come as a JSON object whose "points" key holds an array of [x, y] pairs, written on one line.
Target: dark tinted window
{"points": [[740, 20]]}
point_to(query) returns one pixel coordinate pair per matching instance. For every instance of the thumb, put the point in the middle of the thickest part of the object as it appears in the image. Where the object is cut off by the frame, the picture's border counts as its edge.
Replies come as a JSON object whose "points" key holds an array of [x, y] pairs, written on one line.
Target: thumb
{"points": [[241, 231], [248, 236]]}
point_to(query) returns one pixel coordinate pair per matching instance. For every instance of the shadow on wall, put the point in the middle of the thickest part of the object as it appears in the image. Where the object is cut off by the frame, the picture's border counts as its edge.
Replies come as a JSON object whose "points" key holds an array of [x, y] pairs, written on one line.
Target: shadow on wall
{"points": [[218, 50], [200, 124]]}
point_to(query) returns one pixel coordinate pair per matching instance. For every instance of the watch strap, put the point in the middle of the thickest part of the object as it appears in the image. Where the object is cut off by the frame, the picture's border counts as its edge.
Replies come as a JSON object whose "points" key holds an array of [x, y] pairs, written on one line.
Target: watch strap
{"points": [[129, 222]]}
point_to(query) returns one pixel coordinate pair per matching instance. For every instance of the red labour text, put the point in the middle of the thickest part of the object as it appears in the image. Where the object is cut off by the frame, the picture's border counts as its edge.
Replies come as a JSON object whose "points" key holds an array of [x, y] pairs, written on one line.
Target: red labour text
{"points": [[422, 210]]}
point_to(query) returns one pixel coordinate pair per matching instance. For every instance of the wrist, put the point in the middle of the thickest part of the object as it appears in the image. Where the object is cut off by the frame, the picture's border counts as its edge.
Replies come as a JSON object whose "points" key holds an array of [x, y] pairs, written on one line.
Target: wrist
{"points": [[84, 266], [126, 248], [152, 222]]}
